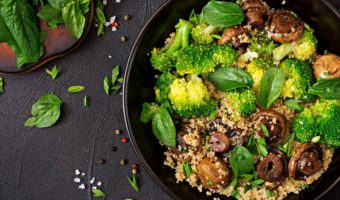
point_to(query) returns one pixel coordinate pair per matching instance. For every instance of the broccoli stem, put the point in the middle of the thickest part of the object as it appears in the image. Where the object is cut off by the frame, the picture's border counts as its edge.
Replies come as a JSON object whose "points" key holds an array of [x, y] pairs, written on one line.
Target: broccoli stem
{"points": [[182, 38], [210, 29]]}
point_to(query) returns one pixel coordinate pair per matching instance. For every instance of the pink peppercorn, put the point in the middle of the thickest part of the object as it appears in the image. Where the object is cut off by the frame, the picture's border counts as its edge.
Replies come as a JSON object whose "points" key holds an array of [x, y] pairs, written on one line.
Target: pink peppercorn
{"points": [[124, 140]]}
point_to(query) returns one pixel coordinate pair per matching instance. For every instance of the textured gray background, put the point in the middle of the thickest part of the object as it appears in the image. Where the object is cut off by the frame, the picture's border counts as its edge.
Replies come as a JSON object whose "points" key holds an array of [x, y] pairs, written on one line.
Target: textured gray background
{"points": [[38, 164]]}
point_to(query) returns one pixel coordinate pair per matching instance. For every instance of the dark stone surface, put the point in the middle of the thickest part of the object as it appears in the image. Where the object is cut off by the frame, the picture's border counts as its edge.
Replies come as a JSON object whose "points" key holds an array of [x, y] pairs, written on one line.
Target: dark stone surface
{"points": [[39, 164]]}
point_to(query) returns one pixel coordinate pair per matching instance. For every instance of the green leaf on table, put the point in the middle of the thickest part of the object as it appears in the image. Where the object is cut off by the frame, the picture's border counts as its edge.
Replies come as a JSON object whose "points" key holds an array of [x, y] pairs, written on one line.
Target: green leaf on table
{"points": [[53, 72], [1, 84], [133, 182], [114, 76], [271, 86], [107, 85], [86, 101], [222, 14], [228, 78], [76, 88], [97, 193], [45, 112]]}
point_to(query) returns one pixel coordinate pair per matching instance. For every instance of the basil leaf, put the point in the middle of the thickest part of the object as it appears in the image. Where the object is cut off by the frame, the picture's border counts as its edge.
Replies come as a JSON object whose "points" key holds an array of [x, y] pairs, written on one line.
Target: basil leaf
{"points": [[76, 88], [1, 84], [107, 85], [147, 112], [228, 78], [262, 149], [163, 127], [271, 86], [327, 89], [241, 161], [53, 73], [56, 4], [45, 112], [51, 16], [114, 76], [74, 18], [97, 193], [86, 101], [258, 182], [222, 14], [187, 169], [294, 104], [20, 29]]}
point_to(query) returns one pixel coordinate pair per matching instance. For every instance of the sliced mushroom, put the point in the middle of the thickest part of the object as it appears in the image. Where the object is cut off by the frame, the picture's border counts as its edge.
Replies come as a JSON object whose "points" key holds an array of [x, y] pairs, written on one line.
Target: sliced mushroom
{"points": [[255, 11], [306, 160], [219, 142], [232, 35], [284, 27], [273, 168], [327, 66], [213, 173], [276, 123]]}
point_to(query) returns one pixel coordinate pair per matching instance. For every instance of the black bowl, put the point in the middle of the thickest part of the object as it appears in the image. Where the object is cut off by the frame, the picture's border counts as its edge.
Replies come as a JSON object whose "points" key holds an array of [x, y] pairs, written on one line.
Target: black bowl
{"points": [[139, 83]]}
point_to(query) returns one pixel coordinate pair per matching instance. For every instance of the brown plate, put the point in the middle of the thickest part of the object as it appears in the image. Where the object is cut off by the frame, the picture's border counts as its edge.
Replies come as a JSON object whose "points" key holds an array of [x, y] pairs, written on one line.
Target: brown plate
{"points": [[58, 43]]}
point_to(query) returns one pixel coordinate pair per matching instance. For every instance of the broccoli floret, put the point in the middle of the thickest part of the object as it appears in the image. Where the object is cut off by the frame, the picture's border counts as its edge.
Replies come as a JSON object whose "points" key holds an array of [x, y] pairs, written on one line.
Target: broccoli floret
{"points": [[262, 45], [163, 86], [190, 98], [163, 59], [256, 69], [321, 119], [198, 59], [303, 49], [202, 33], [299, 77], [243, 102]]}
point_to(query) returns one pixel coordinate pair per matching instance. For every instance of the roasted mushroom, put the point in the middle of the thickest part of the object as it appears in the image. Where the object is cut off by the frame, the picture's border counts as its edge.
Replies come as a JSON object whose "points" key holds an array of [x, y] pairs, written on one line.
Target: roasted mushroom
{"points": [[327, 66], [284, 27], [276, 123], [256, 12], [273, 168], [213, 173], [234, 35], [306, 160], [219, 142], [183, 146]]}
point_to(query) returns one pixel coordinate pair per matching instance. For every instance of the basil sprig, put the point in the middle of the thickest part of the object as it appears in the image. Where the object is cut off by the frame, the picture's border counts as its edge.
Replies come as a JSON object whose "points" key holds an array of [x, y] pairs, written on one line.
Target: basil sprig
{"points": [[162, 125], [241, 161], [223, 14], [327, 89], [45, 112], [228, 78], [271, 86]]}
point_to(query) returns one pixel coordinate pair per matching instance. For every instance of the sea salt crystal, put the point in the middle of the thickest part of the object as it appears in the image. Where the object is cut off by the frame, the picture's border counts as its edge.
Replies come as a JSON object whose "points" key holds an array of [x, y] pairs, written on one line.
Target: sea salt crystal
{"points": [[77, 172], [76, 180], [82, 186]]}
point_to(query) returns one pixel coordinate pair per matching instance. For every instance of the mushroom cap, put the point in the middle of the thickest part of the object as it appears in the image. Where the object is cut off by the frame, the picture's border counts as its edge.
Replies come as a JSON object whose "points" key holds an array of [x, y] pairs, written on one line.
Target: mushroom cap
{"points": [[279, 130], [213, 173], [306, 160], [284, 27], [230, 33], [254, 5], [219, 142], [327, 66]]}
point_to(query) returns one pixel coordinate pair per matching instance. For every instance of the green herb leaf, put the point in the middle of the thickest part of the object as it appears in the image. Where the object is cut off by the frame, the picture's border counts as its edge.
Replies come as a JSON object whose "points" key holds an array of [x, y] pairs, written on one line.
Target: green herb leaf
{"points": [[133, 182], [210, 182], [294, 104], [206, 143], [51, 16], [262, 149], [20, 29], [147, 112], [74, 18], [107, 85], [233, 183], [222, 14], [271, 86], [114, 76], [1, 84], [241, 161], [247, 177], [86, 101], [120, 80], [269, 193], [45, 112], [258, 182], [100, 17], [53, 72], [327, 89], [98, 193], [163, 127], [228, 78], [76, 88], [187, 169], [265, 130]]}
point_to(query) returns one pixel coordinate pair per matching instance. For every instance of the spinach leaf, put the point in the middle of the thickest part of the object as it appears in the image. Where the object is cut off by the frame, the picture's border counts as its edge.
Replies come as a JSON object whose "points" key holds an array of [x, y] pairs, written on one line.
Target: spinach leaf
{"points": [[45, 112], [74, 19], [19, 28], [222, 14], [228, 78], [51, 16], [271, 86], [327, 89], [294, 104], [147, 112], [241, 161], [163, 127]]}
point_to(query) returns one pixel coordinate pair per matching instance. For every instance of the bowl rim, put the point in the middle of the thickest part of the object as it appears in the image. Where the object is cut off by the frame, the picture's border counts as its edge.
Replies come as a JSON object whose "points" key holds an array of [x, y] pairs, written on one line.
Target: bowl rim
{"points": [[133, 52]]}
